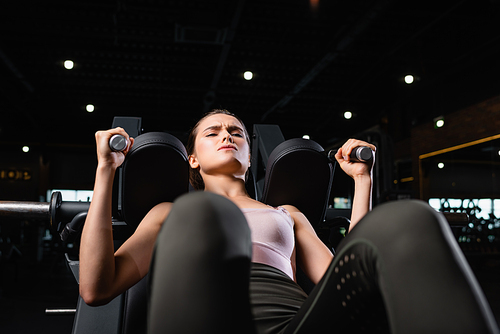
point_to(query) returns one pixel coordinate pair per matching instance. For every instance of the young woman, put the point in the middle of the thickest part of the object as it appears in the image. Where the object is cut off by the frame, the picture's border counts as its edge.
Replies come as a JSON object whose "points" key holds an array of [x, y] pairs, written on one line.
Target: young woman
{"points": [[222, 262]]}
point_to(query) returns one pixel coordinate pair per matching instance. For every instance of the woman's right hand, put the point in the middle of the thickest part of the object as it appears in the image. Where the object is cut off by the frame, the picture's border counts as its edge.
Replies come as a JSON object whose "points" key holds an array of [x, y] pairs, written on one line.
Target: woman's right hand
{"points": [[107, 157]]}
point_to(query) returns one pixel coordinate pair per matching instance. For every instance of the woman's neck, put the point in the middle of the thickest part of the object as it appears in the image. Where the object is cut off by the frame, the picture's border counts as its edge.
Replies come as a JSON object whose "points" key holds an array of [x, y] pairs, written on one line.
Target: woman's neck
{"points": [[226, 186]]}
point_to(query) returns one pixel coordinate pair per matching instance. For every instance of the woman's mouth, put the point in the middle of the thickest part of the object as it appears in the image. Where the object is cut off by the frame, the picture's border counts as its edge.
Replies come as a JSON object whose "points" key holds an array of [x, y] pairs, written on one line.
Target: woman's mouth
{"points": [[227, 147]]}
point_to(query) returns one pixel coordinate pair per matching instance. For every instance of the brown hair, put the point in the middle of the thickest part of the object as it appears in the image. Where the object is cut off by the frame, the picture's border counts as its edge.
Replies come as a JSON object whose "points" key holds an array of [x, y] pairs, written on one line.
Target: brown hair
{"points": [[194, 174]]}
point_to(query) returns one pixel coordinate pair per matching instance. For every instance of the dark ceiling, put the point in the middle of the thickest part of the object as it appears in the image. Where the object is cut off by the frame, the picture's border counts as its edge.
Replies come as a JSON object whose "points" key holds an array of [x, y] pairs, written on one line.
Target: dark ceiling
{"points": [[170, 61]]}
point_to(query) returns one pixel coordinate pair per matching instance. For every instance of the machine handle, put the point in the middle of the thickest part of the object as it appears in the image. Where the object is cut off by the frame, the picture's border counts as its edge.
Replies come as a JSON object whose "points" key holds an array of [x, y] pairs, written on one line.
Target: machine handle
{"points": [[358, 154], [117, 143]]}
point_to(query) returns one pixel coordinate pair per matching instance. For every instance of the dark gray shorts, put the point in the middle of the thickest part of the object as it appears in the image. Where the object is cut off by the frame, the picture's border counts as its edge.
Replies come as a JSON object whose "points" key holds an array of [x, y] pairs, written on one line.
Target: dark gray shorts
{"points": [[274, 297]]}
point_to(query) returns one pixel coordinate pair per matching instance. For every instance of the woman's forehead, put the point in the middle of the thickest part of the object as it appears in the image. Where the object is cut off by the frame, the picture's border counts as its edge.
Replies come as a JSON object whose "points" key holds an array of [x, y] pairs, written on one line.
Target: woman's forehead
{"points": [[219, 120]]}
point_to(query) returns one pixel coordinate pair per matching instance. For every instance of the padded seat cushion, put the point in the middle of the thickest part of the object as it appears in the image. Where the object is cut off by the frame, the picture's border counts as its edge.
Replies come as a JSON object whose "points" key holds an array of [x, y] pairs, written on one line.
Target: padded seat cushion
{"points": [[155, 171], [298, 173]]}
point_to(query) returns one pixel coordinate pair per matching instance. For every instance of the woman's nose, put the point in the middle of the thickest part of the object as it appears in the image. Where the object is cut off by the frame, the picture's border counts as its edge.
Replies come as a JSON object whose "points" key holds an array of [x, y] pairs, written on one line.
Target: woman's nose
{"points": [[228, 137]]}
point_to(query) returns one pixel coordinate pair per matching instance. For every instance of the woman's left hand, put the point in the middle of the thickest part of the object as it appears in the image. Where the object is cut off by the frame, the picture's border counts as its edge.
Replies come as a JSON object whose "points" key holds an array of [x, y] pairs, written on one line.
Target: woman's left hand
{"points": [[354, 169]]}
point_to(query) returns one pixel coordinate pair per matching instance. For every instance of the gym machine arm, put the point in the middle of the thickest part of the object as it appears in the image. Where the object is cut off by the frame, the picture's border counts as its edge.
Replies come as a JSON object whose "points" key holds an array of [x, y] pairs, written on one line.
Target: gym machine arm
{"points": [[65, 218]]}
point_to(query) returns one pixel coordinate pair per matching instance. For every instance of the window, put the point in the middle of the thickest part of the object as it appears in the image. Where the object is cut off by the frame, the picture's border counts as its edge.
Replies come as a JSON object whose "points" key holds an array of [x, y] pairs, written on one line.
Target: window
{"points": [[480, 208], [73, 195]]}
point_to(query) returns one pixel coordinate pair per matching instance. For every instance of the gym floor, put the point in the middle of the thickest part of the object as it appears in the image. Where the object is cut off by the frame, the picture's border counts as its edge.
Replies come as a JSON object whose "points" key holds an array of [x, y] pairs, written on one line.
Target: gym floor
{"points": [[28, 288]]}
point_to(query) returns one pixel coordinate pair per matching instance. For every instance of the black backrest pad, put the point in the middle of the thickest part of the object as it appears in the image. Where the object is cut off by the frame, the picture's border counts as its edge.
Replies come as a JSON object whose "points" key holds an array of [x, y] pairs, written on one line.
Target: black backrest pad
{"points": [[298, 173], [155, 171]]}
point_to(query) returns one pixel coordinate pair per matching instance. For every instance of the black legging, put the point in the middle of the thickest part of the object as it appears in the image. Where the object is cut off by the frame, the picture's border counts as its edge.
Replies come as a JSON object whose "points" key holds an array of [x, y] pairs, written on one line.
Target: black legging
{"points": [[399, 269]]}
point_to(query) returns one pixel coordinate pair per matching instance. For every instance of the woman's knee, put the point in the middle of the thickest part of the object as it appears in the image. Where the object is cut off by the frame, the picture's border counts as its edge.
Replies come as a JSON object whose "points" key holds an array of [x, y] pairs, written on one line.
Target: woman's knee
{"points": [[409, 227], [209, 221], [409, 216]]}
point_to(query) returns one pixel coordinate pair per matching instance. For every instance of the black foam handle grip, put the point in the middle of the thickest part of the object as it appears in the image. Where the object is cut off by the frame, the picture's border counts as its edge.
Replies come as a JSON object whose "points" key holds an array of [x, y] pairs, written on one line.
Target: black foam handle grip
{"points": [[117, 143]]}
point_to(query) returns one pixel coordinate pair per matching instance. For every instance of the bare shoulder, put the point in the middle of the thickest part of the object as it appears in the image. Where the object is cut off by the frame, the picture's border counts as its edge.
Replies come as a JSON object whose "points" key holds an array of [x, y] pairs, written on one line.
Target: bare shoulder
{"points": [[291, 209], [163, 207], [298, 217], [157, 215], [161, 210]]}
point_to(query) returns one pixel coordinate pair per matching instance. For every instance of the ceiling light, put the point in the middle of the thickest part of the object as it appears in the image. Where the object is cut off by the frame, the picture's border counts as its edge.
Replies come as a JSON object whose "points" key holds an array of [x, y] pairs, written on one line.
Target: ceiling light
{"points": [[440, 165], [248, 75], [26, 149], [438, 122], [68, 64], [348, 115], [409, 79], [90, 107]]}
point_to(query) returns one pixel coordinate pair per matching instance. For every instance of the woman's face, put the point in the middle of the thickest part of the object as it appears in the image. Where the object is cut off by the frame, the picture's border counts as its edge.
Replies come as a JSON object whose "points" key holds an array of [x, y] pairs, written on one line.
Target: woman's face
{"points": [[220, 147]]}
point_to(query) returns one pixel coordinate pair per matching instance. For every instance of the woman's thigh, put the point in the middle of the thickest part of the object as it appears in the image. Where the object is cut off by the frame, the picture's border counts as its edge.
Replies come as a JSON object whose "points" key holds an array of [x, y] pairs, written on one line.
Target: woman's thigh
{"points": [[200, 269], [400, 268]]}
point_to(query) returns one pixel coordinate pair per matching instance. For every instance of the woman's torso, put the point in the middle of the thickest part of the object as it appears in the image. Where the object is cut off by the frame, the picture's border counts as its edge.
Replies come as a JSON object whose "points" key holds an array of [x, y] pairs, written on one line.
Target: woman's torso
{"points": [[273, 240]]}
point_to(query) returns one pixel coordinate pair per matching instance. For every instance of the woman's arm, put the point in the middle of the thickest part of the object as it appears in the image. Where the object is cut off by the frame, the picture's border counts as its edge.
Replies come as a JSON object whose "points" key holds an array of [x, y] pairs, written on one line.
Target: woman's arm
{"points": [[312, 255], [104, 274], [362, 175]]}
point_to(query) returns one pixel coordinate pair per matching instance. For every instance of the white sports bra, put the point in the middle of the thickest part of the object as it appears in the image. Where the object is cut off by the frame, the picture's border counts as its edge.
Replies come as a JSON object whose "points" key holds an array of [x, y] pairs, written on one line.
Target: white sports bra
{"points": [[273, 237]]}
